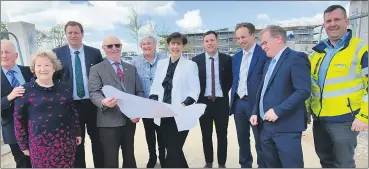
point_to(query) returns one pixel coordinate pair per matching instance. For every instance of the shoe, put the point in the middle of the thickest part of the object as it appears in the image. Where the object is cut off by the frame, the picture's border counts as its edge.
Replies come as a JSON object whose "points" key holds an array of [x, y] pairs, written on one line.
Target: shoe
{"points": [[208, 165], [151, 163], [222, 166]]}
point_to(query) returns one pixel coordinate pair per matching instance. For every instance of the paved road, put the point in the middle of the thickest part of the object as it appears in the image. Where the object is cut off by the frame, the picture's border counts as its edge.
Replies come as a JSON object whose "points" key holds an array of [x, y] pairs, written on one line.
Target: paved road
{"points": [[194, 153]]}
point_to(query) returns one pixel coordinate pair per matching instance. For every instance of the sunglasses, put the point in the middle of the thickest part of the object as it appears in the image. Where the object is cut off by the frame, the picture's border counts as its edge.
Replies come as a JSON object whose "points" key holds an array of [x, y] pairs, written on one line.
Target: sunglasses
{"points": [[116, 46]]}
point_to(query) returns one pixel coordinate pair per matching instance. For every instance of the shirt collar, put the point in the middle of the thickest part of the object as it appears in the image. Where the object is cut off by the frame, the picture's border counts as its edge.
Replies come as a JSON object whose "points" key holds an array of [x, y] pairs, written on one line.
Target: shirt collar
{"points": [[278, 55], [216, 56], [339, 43], [251, 50], [14, 68], [153, 61], [80, 50], [112, 61]]}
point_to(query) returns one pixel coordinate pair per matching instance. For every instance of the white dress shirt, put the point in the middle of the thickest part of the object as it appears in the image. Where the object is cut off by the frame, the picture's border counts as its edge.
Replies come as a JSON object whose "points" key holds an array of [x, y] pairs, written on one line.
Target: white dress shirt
{"points": [[218, 87], [84, 72]]}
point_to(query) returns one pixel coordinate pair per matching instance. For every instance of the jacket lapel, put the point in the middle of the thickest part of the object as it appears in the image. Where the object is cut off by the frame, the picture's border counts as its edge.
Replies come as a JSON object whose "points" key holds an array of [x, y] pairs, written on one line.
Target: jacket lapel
{"points": [[127, 74], [5, 85], [254, 59], [220, 67], [279, 63], [202, 68], [87, 59], [68, 60]]}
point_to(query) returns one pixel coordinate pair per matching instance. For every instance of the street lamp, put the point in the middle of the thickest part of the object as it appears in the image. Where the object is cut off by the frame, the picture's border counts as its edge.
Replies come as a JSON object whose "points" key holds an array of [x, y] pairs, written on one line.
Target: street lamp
{"points": [[19, 50]]}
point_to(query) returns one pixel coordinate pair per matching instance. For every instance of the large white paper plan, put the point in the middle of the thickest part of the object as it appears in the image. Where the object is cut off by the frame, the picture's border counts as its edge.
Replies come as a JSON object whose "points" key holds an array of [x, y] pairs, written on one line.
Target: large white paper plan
{"points": [[137, 107]]}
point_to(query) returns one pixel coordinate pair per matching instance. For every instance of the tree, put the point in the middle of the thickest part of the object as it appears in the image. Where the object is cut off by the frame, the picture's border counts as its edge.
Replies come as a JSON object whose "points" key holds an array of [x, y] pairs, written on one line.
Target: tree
{"points": [[42, 38], [163, 33], [4, 29], [56, 36], [134, 25]]}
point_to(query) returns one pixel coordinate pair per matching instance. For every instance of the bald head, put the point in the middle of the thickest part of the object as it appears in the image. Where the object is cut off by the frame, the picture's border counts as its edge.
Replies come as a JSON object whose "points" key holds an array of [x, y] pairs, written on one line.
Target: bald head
{"points": [[8, 54], [112, 47]]}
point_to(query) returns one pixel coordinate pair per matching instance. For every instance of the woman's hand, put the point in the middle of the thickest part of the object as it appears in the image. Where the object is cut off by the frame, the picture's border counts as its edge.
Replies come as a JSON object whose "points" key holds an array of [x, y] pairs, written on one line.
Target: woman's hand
{"points": [[78, 140], [26, 152]]}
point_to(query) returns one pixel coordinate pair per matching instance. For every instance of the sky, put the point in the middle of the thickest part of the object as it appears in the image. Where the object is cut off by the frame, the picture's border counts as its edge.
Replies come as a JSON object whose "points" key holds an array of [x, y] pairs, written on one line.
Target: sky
{"points": [[102, 18]]}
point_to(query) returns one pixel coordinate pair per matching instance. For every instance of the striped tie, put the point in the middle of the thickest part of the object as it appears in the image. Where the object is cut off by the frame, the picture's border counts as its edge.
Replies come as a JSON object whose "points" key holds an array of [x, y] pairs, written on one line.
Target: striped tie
{"points": [[14, 82], [241, 90]]}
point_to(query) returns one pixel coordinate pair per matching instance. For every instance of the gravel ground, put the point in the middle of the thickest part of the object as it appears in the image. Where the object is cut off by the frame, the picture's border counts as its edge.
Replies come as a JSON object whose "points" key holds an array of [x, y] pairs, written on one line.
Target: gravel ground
{"points": [[194, 152]]}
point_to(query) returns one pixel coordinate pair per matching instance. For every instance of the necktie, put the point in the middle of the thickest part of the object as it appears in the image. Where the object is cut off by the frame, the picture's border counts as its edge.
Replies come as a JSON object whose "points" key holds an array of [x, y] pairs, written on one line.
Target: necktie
{"points": [[266, 81], [79, 76], [119, 72], [212, 80], [241, 90], [13, 80]]}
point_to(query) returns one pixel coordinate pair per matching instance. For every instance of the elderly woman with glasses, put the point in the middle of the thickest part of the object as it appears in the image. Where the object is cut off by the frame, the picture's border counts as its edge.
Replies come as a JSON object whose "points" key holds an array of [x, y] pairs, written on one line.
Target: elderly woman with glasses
{"points": [[45, 121]]}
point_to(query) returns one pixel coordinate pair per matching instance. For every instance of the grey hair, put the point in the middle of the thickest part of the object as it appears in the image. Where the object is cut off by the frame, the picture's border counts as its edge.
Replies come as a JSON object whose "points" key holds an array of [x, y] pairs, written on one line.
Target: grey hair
{"points": [[274, 31], [148, 37]]}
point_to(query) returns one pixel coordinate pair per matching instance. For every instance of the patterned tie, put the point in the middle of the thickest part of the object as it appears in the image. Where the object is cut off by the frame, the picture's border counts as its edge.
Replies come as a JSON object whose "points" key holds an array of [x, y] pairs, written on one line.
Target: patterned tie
{"points": [[79, 77], [212, 80], [14, 82], [241, 90], [266, 81], [119, 72]]}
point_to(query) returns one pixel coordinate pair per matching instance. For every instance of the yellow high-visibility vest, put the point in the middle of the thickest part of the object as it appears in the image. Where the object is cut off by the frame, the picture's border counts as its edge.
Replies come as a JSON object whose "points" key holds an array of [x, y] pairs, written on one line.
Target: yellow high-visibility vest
{"points": [[345, 86]]}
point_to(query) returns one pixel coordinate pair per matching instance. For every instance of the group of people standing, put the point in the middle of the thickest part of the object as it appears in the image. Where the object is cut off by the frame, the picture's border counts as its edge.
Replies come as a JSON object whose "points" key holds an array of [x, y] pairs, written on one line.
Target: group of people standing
{"points": [[47, 107]]}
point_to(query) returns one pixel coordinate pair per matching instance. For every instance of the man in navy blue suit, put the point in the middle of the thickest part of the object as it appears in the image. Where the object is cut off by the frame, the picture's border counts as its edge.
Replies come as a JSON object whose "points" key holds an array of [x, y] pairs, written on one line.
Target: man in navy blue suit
{"points": [[77, 59], [281, 101], [248, 67]]}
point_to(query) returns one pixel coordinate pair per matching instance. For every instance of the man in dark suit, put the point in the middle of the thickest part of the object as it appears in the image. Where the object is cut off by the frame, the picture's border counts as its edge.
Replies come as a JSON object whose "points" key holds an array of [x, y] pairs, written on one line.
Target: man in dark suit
{"points": [[248, 67], [13, 76], [215, 74], [77, 59], [281, 101], [116, 130]]}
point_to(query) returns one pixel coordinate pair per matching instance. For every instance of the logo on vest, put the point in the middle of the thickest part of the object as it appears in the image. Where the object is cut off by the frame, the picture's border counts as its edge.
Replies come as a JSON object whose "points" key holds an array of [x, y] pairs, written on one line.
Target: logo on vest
{"points": [[338, 65]]}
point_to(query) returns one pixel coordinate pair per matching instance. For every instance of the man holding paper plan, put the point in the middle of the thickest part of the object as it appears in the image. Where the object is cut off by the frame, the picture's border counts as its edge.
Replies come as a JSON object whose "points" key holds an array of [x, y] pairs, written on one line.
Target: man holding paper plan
{"points": [[177, 83], [116, 129]]}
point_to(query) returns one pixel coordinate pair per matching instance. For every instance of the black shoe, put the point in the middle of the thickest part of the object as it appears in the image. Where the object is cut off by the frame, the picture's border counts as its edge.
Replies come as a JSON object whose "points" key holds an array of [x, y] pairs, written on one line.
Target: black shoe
{"points": [[222, 166], [151, 163], [208, 165]]}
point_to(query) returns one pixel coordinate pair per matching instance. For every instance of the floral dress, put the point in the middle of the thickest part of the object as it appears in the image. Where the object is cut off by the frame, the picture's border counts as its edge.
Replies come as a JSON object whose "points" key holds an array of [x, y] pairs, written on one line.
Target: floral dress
{"points": [[47, 124]]}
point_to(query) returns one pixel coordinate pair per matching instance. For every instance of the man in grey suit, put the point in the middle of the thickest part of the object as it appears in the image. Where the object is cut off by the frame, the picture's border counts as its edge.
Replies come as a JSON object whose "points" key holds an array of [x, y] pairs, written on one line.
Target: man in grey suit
{"points": [[116, 129]]}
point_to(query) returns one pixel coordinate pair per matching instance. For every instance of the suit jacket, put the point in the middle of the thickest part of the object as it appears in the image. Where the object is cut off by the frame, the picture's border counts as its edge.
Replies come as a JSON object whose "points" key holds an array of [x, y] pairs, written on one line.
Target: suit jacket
{"points": [[254, 76], [7, 107], [288, 88], [92, 57], [185, 83], [104, 74], [225, 74]]}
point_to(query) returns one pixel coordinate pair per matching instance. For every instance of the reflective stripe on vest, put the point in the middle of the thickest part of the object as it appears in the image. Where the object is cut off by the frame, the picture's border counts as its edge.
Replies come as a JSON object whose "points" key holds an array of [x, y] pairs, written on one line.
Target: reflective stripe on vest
{"points": [[352, 75]]}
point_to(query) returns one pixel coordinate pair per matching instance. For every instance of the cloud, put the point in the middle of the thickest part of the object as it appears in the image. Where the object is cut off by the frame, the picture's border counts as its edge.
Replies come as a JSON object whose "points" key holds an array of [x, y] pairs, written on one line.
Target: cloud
{"points": [[191, 20], [263, 17], [302, 21], [99, 16]]}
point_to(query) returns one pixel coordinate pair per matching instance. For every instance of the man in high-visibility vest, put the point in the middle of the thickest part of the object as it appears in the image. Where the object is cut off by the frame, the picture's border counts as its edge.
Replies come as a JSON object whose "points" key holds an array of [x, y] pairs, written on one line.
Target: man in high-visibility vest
{"points": [[339, 98]]}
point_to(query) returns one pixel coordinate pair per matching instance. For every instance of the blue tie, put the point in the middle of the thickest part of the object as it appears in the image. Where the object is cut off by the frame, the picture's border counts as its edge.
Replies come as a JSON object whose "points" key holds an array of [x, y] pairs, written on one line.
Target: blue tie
{"points": [[14, 81], [266, 81]]}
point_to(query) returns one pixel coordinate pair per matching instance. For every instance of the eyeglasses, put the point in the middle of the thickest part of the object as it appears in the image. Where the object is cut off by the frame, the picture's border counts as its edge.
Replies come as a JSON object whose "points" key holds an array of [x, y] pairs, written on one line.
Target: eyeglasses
{"points": [[266, 42], [116, 46]]}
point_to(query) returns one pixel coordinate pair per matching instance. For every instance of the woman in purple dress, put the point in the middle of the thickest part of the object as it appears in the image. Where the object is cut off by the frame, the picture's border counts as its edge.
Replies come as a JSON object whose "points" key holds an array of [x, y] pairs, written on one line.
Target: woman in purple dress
{"points": [[45, 121]]}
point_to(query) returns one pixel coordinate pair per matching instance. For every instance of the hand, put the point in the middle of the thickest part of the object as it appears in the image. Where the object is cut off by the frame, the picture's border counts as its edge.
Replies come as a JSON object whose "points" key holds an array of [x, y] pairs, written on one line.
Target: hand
{"points": [[135, 120], [17, 92], [254, 120], [270, 115], [26, 152], [78, 140], [110, 102], [358, 125], [183, 105]]}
